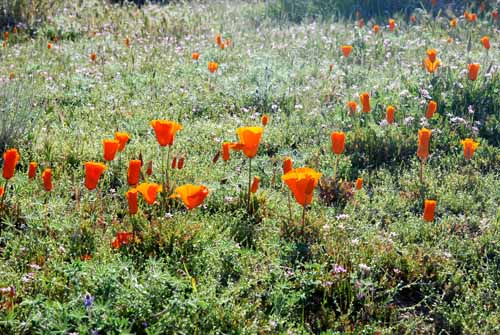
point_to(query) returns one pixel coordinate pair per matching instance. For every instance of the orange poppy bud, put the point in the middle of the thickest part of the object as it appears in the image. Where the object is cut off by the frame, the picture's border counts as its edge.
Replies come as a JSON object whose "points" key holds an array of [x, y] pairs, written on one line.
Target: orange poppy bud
{"points": [[432, 55], [132, 197], [365, 101], [180, 163], [2, 191], [302, 182], [255, 184], [265, 120], [392, 24], [429, 209], [149, 170], [149, 191], [192, 195], [49, 46], [4, 44], [174, 163], [218, 39], [353, 107], [134, 172], [485, 40], [469, 147], [389, 115], [212, 66], [359, 183], [424, 137], [195, 56], [127, 42], [93, 172], [413, 18], [431, 66], [93, 56], [473, 71], [338, 142], [453, 23], [216, 157], [330, 67], [222, 46], [228, 41], [249, 140], [32, 170], [47, 179], [6, 36], [287, 165], [165, 131], [225, 151], [10, 159], [11, 76], [376, 28], [346, 50], [431, 109], [123, 139], [110, 149]]}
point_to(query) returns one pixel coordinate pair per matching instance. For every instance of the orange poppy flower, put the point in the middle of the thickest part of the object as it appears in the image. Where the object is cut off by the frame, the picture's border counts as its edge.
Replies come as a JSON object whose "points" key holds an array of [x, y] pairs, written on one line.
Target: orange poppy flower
{"points": [[149, 191], [226, 146], [485, 40], [302, 182], [195, 56], [122, 238], [32, 170], [389, 115], [85, 258], [222, 46], [471, 17], [10, 159], [376, 28], [469, 147], [218, 39], [453, 23], [110, 149], [429, 209], [165, 131], [346, 50], [365, 101], [123, 139], [431, 66], [287, 165], [353, 107], [249, 140], [424, 137], [474, 70], [49, 46], [359, 183], [413, 18], [338, 142], [180, 163], [265, 120], [212, 66], [93, 56], [93, 172], [132, 201], [47, 179], [431, 109], [134, 172], [149, 170], [255, 184], [432, 55], [192, 195], [392, 24], [127, 42]]}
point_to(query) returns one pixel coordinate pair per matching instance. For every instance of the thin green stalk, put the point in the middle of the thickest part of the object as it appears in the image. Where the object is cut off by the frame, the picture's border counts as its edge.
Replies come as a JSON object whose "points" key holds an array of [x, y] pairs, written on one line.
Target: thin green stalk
{"points": [[249, 182]]}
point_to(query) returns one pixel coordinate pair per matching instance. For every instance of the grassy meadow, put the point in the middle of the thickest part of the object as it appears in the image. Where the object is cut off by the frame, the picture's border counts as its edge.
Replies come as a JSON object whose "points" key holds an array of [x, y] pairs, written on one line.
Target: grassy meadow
{"points": [[359, 259]]}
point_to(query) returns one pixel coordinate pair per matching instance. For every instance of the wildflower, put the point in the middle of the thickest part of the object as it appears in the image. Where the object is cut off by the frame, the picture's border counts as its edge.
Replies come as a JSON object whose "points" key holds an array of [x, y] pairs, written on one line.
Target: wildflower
{"points": [[376, 28], [165, 131], [302, 182], [132, 200], [225, 150], [11, 76], [431, 109], [359, 183], [473, 71], [88, 300], [432, 55], [346, 50], [49, 45], [191, 195], [180, 163], [265, 120], [249, 140], [453, 23], [222, 46], [365, 101], [32, 170], [338, 142], [149, 170], [93, 56], [218, 39], [389, 115], [287, 165], [429, 209], [469, 147], [123, 138], [353, 107], [413, 19], [392, 24], [431, 66], [127, 42], [174, 163], [10, 159], [47, 179], [134, 172], [110, 148], [424, 137], [149, 191], [122, 238], [494, 14], [212, 67], [93, 172], [195, 56], [228, 41], [485, 40], [255, 184]]}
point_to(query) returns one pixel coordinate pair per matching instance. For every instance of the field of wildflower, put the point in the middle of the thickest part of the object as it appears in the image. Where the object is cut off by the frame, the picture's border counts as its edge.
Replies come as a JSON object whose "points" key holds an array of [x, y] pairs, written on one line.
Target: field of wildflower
{"points": [[219, 168]]}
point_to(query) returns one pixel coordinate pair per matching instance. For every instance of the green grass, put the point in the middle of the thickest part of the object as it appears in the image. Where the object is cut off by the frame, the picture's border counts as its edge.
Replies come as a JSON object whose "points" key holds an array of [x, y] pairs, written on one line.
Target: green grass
{"points": [[219, 269]]}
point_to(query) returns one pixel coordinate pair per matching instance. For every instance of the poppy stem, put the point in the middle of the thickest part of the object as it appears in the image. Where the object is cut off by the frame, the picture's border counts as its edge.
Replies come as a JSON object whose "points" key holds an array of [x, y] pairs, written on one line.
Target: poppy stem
{"points": [[4, 191], [303, 219], [421, 173], [335, 168], [167, 185], [289, 211], [249, 182]]}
